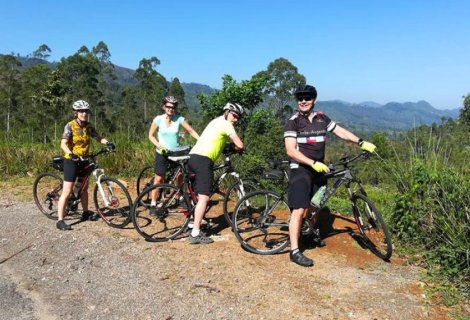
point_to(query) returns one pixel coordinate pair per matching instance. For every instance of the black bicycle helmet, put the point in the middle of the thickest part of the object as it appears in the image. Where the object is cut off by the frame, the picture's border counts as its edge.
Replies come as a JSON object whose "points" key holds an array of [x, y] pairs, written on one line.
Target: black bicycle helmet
{"points": [[306, 91]]}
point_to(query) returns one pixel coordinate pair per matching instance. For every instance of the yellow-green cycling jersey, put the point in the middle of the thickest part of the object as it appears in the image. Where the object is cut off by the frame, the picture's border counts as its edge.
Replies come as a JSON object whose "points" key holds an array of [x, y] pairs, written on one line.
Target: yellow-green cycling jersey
{"points": [[212, 140], [78, 137]]}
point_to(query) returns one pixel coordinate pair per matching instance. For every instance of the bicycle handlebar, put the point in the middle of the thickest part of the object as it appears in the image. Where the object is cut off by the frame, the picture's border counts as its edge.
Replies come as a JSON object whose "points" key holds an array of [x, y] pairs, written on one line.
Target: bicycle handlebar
{"points": [[96, 153], [346, 160]]}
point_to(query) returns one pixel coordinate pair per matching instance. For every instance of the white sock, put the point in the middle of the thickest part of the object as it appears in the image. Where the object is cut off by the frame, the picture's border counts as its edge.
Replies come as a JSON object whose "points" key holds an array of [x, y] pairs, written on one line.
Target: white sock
{"points": [[194, 232], [153, 203]]}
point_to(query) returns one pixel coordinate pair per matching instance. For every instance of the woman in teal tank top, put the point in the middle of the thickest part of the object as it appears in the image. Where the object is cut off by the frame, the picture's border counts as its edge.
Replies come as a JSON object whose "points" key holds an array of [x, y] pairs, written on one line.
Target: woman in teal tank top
{"points": [[167, 126]]}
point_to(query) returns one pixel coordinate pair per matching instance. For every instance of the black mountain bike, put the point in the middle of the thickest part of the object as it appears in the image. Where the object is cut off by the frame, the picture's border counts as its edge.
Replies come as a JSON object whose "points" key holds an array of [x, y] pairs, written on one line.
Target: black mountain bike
{"points": [[261, 218]]}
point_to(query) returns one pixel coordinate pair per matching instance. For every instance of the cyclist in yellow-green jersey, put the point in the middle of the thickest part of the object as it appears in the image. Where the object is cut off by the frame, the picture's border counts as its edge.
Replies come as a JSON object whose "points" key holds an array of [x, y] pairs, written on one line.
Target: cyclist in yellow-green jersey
{"points": [[208, 148]]}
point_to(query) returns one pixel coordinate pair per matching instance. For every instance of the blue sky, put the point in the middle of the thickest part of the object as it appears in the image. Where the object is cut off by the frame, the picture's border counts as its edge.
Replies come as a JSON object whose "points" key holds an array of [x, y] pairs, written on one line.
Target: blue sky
{"points": [[354, 51]]}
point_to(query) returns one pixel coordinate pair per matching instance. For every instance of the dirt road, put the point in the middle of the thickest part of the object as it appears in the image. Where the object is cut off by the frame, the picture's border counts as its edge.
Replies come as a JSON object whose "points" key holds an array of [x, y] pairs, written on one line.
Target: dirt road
{"points": [[96, 272]]}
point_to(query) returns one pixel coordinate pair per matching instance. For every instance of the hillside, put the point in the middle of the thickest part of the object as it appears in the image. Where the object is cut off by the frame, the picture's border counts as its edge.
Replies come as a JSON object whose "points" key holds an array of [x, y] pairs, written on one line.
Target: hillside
{"points": [[389, 117], [367, 116]]}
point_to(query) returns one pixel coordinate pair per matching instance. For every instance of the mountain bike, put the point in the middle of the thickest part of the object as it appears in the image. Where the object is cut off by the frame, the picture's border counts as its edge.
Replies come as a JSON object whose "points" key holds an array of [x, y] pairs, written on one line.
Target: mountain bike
{"points": [[175, 203], [240, 188], [146, 176], [261, 218], [111, 198], [227, 185]]}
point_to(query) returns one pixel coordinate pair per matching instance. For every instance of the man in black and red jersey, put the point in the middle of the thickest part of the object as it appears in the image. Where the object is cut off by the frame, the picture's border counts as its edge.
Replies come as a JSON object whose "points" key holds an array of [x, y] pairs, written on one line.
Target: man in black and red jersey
{"points": [[304, 138]]}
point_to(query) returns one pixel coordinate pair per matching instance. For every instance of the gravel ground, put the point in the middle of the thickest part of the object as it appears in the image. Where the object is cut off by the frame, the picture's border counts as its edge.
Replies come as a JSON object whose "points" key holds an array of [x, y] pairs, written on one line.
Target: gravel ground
{"points": [[97, 272]]}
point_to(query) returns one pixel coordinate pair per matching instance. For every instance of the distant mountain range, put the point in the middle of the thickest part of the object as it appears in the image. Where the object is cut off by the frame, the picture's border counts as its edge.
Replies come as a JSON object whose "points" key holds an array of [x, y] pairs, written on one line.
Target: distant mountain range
{"points": [[392, 116], [365, 116]]}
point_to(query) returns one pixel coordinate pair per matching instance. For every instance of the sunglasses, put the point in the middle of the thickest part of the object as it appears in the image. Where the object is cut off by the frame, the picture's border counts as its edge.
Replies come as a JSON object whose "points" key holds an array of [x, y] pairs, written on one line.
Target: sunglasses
{"points": [[235, 115], [83, 111], [170, 107], [304, 98]]}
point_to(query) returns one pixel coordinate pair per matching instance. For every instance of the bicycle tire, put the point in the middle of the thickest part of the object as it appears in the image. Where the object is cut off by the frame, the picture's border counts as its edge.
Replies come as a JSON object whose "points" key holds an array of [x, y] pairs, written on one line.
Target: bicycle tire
{"points": [[117, 213], [47, 189], [172, 215], [223, 183], [261, 222], [372, 227], [235, 192], [145, 178]]}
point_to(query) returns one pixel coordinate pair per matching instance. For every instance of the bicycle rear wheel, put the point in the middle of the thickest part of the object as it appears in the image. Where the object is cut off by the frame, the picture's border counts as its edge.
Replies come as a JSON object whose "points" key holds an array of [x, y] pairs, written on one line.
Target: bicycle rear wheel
{"points": [[235, 192], [372, 227], [114, 204], [260, 222], [171, 216], [47, 189]]}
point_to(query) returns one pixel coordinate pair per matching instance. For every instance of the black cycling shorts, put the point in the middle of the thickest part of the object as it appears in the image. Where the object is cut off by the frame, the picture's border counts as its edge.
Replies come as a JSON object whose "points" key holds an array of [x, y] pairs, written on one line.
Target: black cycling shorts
{"points": [[73, 169], [303, 183], [161, 164], [203, 167]]}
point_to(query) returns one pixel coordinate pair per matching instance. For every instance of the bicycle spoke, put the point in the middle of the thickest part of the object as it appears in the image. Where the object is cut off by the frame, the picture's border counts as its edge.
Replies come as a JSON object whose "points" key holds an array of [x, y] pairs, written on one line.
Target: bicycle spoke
{"points": [[169, 218], [113, 202], [260, 222], [372, 227], [234, 193], [47, 189]]}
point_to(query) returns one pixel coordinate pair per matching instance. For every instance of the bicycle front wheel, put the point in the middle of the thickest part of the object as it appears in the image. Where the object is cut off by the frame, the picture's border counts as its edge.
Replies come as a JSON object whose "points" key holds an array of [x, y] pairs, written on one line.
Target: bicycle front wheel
{"points": [[372, 227], [47, 189], [235, 192], [165, 221], [145, 179], [112, 202], [261, 222]]}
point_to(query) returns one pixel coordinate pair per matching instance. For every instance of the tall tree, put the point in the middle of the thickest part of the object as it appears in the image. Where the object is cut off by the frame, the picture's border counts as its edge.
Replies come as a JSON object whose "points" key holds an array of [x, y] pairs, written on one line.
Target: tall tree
{"points": [[80, 74], [34, 81], [282, 79], [52, 102], [248, 93], [42, 52], [176, 90], [128, 117], [9, 85], [465, 111], [152, 85], [106, 74]]}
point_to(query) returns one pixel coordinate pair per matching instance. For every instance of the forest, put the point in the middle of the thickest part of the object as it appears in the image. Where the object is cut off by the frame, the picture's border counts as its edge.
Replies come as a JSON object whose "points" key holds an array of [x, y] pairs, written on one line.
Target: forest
{"points": [[419, 178]]}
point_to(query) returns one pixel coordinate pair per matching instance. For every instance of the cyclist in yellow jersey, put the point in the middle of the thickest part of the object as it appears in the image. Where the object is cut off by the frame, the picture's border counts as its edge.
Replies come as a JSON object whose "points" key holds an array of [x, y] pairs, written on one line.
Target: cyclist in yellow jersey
{"points": [[75, 143], [208, 148]]}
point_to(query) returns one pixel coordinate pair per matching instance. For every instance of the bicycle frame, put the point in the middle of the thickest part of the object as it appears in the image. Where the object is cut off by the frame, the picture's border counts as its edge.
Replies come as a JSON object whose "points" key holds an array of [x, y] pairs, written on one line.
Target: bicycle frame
{"points": [[97, 173], [343, 176], [226, 168]]}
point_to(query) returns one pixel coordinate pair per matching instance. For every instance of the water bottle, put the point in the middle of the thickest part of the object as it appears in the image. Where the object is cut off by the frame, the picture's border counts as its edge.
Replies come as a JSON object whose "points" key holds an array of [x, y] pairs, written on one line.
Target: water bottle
{"points": [[318, 196], [76, 187]]}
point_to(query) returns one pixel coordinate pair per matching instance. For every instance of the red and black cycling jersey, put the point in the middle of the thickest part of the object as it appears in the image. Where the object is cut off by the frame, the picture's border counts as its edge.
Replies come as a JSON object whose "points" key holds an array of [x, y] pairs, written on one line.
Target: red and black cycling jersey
{"points": [[310, 136]]}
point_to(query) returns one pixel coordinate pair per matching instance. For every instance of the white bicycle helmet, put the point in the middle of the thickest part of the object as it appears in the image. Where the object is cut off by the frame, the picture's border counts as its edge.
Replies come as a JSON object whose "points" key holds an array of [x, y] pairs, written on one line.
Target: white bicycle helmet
{"points": [[234, 107], [80, 105]]}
